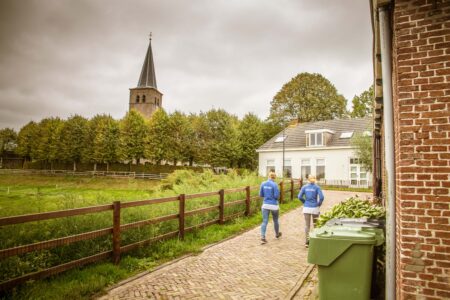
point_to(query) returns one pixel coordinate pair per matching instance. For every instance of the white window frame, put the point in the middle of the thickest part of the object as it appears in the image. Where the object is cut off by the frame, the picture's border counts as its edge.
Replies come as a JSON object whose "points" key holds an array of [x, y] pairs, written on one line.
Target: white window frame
{"points": [[358, 181], [323, 164], [280, 139], [315, 132], [302, 164], [346, 135]]}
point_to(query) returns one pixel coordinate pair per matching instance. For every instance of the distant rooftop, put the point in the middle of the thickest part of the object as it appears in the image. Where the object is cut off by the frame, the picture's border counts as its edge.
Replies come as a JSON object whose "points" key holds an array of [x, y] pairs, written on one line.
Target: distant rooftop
{"points": [[296, 135]]}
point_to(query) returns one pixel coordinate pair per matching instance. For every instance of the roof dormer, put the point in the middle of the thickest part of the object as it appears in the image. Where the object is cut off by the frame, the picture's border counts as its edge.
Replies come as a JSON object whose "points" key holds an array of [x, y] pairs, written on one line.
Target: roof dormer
{"points": [[318, 137]]}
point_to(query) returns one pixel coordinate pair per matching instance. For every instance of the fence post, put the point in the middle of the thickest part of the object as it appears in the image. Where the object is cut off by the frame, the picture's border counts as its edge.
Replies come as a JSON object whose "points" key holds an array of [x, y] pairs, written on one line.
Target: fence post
{"points": [[281, 192], [292, 189], [247, 200], [221, 206], [116, 232], [182, 202]]}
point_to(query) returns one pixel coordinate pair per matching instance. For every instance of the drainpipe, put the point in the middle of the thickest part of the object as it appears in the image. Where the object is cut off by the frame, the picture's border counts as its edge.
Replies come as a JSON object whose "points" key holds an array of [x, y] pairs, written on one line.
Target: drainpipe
{"points": [[388, 122]]}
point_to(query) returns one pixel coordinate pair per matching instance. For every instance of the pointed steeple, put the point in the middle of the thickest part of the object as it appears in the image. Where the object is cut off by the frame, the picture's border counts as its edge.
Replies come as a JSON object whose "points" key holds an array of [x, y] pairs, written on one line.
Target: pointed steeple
{"points": [[148, 76]]}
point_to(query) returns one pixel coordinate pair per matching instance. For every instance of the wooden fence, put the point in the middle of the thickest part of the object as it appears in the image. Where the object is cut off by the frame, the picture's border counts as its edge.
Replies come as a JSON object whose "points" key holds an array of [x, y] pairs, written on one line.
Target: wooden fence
{"points": [[115, 174], [116, 207]]}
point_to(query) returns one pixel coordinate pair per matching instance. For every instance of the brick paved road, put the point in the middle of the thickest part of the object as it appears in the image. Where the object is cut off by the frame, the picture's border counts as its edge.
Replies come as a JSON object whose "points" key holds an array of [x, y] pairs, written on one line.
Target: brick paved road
{"points": [[240, 268]]}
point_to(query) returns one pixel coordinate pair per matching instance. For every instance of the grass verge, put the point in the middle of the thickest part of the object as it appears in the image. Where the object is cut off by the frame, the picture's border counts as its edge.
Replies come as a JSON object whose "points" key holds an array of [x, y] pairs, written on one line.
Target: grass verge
{"points": [[90, 281]]}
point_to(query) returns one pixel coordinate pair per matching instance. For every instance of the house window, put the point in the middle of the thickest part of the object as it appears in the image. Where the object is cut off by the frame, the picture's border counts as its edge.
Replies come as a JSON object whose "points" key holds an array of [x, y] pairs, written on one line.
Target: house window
{"points": [[287, 168], [280, 139], [346, 135], [358, 174], [137, 99], [320, 168], [305, 168], [270, 166], [315, 139], [143, 99]]}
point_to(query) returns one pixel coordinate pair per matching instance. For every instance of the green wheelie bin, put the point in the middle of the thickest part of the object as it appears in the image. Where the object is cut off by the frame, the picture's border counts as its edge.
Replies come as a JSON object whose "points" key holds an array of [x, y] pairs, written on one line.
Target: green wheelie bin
{"points": [[344, 256]]}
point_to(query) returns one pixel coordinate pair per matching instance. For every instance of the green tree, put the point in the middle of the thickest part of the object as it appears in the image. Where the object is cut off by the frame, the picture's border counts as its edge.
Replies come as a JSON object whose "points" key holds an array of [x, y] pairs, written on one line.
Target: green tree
{"points": [[192, 146], [27, 140], [222, 138], [133, 132], [8, 140], [363, 104], [363, 149], [251, 136], [180, 136], [158, 140], [89, 139], [106, 141], [307, 97], [48, 147], [73, 134]]}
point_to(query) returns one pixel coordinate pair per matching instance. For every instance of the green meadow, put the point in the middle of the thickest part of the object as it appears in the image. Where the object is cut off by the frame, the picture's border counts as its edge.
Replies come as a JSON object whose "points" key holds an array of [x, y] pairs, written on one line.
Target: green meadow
{"points": [[34, 194]]}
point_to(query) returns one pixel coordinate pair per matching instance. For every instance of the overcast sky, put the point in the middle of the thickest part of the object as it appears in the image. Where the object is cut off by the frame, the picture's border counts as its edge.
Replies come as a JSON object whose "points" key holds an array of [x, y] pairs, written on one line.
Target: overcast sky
{"points": [[65, 57]]}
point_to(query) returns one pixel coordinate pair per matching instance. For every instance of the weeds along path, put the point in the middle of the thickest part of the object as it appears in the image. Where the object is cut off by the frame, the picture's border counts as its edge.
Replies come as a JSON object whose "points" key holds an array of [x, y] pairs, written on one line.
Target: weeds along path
{"points": [[239, 268]]}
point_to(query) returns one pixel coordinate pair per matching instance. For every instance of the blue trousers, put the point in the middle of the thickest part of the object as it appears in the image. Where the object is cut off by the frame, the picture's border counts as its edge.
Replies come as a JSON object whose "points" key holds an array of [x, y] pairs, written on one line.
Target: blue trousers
{"points": [[265, 215]]}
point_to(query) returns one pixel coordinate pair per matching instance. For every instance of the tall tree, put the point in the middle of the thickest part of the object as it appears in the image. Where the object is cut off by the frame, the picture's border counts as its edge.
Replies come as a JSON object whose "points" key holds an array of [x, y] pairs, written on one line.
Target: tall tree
{"points": [[363, 104], [251, 136], [133, 131], [307, 97], [73, 135], [8, 140], [157, 141], [89, 139], [222, 138], [200, 138], [48, 146], [106, 141], [27, 140], [180, 136]]}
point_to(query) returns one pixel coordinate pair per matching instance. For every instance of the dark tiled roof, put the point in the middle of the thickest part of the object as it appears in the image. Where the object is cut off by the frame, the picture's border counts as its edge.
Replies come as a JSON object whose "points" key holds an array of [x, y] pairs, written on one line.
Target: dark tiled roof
{"points": [[148, 76], [296, 136]]}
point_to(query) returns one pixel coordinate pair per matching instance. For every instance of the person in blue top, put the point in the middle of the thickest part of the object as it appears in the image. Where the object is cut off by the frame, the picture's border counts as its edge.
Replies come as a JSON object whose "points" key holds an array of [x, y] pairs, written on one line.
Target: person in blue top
{"points": [[312, 198], [269, 190]]}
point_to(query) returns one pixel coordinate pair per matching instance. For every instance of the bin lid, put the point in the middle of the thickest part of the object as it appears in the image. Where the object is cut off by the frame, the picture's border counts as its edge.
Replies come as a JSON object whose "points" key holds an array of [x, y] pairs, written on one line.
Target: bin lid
{"points": [[328, 243], [358, 222]]}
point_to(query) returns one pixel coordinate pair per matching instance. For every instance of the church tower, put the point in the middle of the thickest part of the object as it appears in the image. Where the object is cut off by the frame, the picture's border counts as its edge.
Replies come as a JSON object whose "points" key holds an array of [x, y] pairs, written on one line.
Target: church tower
{"points": [[145, 98]]}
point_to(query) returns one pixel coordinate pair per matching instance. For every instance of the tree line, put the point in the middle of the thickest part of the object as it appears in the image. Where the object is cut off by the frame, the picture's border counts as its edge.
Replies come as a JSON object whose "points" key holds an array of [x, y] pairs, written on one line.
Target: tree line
{"points": [[214, 138]]}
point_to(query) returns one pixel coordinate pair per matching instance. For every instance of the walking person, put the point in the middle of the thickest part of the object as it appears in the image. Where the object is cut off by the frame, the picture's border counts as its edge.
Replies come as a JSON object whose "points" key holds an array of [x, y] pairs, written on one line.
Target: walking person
{"points": [[269, 190], [312, 198]]}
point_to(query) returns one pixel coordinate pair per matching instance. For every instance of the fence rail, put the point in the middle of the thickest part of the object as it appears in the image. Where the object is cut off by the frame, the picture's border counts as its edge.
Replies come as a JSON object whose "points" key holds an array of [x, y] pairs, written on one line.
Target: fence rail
{"points": [[355, 183], [116, 208], [113, 174]]}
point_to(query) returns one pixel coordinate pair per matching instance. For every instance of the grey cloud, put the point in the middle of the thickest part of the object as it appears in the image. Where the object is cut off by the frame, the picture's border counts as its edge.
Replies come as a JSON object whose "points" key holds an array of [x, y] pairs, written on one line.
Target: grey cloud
{"points": [[59, 58]]}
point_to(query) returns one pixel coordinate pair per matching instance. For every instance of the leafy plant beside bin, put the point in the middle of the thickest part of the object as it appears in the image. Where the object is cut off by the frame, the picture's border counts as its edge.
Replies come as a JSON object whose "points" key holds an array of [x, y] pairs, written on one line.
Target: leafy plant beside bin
{"points": [[353, 207]]}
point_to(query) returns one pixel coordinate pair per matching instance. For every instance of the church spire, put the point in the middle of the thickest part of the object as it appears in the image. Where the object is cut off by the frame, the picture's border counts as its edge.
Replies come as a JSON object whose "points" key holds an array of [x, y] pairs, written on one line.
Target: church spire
{"points": [[148, 76]]}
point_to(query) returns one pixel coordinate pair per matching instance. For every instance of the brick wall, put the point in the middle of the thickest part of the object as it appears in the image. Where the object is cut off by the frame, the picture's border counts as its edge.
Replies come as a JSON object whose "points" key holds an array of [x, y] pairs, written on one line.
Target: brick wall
{"points": [[421, 91]]}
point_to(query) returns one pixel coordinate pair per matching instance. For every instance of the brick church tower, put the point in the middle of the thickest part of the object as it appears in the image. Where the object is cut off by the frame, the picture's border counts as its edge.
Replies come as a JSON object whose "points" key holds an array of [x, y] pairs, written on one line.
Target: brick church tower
{"points": [[145, 98]]}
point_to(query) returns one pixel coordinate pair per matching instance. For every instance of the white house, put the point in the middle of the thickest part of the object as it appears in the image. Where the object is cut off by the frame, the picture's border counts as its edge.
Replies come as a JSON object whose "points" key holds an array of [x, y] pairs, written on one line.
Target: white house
{"points": [[320, 148]]}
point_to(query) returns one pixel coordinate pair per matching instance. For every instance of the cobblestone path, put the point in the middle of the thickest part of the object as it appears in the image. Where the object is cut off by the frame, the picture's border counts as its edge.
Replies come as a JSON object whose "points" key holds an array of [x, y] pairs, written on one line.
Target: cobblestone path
{"points": [[239, 268]]}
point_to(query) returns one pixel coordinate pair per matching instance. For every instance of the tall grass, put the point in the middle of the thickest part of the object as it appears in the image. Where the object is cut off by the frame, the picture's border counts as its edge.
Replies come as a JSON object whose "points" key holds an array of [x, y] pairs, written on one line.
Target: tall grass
{"points": [[38, 194], [91, 280]]}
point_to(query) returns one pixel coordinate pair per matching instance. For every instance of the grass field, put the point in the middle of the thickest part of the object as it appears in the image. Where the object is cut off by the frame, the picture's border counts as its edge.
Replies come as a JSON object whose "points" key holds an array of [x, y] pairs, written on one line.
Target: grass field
{"points": [[25, 194], [32, 194]]}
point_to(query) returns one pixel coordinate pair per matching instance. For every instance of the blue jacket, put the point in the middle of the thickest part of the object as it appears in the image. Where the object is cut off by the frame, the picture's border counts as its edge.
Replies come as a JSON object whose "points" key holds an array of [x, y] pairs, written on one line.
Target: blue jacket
{"points": [[311, 191], [269, 190]]}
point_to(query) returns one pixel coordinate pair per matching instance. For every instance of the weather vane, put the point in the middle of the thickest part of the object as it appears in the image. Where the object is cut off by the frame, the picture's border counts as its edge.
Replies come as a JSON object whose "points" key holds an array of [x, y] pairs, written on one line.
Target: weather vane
{"points": [[150, 35]]}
